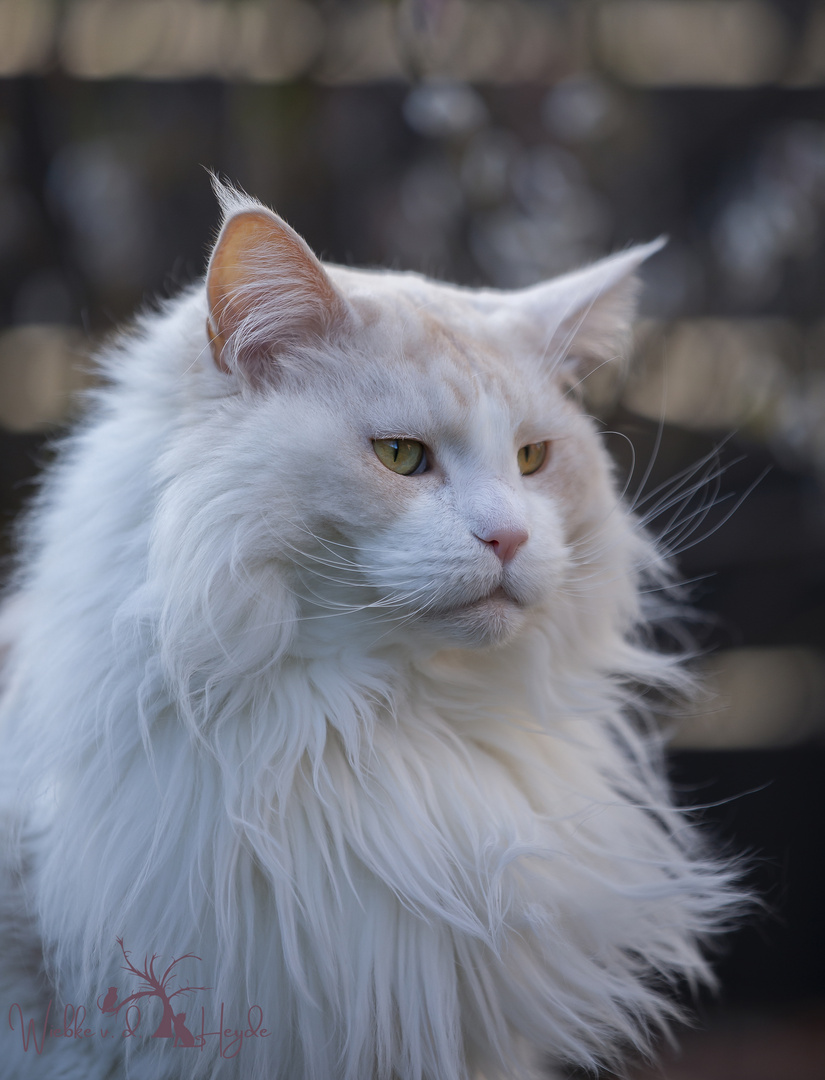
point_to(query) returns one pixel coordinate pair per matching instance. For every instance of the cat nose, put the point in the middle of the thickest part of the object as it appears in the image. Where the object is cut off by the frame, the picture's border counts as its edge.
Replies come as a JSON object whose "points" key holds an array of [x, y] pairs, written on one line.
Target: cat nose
{"points": [[505, 542]]}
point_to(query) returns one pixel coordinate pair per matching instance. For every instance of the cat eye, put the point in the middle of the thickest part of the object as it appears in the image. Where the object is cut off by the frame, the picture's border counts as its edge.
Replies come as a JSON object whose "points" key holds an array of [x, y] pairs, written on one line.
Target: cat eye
{"points": [[404, 456], [531, 457]]}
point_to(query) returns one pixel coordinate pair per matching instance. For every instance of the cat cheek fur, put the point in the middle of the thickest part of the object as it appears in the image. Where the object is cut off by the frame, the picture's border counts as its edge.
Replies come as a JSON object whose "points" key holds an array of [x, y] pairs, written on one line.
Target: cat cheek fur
{"points": [[231, 727]]}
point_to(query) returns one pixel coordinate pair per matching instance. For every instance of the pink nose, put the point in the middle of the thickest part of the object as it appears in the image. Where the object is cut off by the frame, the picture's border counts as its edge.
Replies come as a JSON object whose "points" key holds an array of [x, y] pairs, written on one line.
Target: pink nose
{"points": [[505, 542]]}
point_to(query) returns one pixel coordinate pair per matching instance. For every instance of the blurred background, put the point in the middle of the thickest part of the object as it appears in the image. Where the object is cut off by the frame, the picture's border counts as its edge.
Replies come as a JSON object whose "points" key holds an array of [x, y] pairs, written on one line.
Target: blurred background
{"points": [[499, 142]]}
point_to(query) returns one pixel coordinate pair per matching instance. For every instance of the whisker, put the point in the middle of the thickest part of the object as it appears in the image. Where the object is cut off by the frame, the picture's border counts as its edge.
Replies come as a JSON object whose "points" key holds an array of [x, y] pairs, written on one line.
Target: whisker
{"points": [[745, 494]]}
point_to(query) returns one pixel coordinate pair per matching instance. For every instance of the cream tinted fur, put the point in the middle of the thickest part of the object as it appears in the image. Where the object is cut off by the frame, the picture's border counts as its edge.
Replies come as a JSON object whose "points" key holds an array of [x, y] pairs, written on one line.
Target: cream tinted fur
{"points": [[261, 705]]}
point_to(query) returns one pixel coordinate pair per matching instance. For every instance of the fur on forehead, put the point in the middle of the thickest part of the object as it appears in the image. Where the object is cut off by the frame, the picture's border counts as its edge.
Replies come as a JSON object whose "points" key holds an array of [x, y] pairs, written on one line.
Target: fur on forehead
{"points": [[273, 305]]}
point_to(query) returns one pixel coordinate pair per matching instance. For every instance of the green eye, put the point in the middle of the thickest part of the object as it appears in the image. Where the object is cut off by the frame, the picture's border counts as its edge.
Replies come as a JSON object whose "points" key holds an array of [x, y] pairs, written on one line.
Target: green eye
{"points": [[531, 457], [404, 456]]}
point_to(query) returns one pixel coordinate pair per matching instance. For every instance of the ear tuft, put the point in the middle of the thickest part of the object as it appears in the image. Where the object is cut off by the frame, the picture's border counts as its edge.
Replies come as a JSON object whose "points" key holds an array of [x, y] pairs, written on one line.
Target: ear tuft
{"points": [[587, 314], [266, 290]]}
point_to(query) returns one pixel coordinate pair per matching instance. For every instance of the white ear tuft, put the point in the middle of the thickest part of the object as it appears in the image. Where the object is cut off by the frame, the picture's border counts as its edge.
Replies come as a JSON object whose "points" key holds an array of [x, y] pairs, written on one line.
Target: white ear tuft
{"points": [[587, 314], [265, 289]]}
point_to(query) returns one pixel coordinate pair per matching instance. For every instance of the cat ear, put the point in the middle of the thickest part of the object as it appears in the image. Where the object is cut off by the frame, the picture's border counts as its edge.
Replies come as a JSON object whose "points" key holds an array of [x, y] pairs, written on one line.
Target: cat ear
{"points": [[586, 315], [266, 291]]}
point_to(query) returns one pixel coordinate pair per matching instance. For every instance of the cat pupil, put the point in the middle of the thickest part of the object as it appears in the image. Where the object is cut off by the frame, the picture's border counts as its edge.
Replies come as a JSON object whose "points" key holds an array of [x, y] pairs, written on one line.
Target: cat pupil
{"points": [[403, 456], [531, 457]]}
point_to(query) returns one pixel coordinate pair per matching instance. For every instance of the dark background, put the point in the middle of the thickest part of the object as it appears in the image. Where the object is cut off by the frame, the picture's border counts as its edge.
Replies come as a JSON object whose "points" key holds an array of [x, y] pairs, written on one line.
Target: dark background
{"points": [[499, 143]]}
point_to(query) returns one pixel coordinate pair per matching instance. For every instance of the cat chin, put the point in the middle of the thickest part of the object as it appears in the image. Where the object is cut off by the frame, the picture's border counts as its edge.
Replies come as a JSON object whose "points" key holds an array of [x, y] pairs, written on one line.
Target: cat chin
{"points": [[493, 620]]}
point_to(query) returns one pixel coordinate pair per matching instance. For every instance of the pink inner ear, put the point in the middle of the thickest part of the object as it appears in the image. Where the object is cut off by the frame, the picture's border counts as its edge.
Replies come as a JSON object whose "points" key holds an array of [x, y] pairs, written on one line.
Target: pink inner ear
{"points": [[265, 290]]}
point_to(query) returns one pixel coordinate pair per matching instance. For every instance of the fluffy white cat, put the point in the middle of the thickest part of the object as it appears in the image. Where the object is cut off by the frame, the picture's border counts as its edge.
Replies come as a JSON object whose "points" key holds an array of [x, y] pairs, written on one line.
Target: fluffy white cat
{"points": [[323, 669]]}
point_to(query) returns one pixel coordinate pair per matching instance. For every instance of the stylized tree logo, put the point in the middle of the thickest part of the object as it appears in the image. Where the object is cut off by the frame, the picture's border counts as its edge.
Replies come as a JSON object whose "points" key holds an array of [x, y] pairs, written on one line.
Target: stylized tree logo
{"points": [[172, 1024]]}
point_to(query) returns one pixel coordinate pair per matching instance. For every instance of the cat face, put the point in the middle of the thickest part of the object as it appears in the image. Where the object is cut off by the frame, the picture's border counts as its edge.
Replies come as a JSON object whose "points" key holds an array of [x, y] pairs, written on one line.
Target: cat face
{"points": [[464, 544], [431, 470]]}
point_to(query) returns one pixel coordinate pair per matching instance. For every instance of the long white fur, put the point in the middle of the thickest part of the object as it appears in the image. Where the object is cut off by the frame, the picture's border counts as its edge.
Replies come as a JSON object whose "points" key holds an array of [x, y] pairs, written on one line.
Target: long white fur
{"points": [[241, 719]]}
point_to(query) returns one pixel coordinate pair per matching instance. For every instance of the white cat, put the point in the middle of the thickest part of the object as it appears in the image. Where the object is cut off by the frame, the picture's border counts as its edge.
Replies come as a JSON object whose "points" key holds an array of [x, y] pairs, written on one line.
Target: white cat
{"points": [[324, 656]]}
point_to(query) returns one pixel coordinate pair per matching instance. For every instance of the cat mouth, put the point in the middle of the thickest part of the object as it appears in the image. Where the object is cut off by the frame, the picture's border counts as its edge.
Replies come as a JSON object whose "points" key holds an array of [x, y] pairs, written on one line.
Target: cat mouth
{"points": [[490, 619], [499, 593], [498, 596], [496, 601]]}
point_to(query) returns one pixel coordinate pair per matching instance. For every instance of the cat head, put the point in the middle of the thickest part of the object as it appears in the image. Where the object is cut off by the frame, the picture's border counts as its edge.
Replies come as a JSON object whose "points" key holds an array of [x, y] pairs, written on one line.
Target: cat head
{"points": [[414, 449]]}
